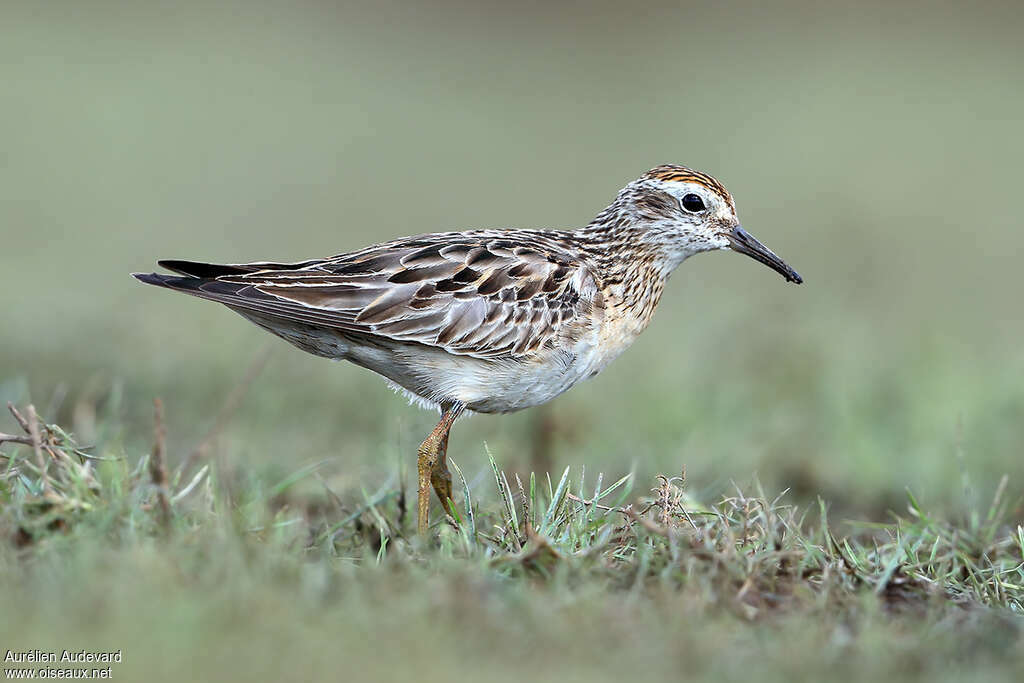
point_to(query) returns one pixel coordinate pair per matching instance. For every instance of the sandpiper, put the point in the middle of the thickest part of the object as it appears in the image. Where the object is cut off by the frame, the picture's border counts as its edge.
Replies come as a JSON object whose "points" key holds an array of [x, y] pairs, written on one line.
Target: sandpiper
{"points": [[490, 321]]}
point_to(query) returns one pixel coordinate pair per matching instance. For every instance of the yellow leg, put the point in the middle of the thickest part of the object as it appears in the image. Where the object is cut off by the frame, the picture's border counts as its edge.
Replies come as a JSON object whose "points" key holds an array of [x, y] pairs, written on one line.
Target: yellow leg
{"points": [[432, 467], [440, 477]]}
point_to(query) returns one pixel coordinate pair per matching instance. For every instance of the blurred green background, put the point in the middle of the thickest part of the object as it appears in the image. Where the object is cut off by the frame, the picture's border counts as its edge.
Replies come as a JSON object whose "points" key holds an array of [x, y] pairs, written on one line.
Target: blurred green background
{"points": [[875, 147]]}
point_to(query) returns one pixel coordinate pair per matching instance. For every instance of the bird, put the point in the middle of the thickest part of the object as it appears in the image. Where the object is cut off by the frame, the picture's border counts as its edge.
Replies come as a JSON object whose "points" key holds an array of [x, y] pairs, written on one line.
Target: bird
{"points": [[486, 320]]}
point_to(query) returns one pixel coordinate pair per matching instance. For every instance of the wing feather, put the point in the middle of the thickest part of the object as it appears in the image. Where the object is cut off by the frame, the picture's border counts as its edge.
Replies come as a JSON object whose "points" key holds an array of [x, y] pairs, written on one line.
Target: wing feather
{"points": [[481, 293]]}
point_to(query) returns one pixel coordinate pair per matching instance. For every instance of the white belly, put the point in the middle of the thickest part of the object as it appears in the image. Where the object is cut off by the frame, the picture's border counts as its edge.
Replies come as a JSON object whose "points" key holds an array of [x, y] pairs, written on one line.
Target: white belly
{"points": [[484, 386], [430, 376]]}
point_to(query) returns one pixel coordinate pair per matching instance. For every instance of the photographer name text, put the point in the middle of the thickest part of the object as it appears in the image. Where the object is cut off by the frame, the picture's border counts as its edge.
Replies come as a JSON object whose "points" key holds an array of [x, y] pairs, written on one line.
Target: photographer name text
{"points": [[65, 656]]}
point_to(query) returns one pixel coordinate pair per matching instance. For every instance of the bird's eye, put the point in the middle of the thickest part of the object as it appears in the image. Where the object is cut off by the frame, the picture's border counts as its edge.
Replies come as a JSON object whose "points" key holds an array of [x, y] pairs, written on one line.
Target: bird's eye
{"points": [[693, 203]]}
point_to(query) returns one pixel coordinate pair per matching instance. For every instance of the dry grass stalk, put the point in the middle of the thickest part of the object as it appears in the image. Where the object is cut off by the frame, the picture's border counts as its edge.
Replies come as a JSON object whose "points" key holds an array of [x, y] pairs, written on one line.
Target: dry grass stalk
{"points": [[157, 464], [33, 431], [11, 438]]}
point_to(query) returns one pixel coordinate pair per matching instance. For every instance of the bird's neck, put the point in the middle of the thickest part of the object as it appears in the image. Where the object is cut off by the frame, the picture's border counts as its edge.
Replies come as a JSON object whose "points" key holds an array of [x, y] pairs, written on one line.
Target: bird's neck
{"points": [[631, 270]]}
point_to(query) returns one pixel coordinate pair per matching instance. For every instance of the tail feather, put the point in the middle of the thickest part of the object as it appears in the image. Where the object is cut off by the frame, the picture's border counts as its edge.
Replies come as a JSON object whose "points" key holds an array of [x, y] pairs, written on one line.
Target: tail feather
{"points": [[169, 281], [205, 288], [245, 299], [202, 269]]}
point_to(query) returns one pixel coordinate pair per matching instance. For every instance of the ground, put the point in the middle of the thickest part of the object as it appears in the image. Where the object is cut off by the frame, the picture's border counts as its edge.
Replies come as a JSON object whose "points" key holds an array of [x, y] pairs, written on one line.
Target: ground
{"points": [[549, 577]]}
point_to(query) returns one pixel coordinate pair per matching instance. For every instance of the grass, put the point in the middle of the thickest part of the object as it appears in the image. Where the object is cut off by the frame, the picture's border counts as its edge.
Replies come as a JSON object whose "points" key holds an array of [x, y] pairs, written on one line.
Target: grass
{"points": [[547, 577]]}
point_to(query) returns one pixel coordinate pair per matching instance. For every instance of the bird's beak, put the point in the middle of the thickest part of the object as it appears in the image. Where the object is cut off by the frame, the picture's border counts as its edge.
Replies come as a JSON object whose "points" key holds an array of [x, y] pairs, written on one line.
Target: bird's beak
{"points": [[742, 241]]}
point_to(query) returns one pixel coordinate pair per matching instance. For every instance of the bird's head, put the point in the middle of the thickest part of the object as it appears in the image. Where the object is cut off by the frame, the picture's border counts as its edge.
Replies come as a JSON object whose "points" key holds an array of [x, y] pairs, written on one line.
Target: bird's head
{"points": [[684, 212]]}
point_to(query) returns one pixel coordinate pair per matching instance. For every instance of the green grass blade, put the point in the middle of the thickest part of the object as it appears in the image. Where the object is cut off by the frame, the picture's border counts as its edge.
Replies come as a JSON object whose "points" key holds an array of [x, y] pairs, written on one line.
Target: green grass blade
{"points": [[611, 489], [467, 500], [533, 500], [547, 524], [294, 478], [505, 491]]}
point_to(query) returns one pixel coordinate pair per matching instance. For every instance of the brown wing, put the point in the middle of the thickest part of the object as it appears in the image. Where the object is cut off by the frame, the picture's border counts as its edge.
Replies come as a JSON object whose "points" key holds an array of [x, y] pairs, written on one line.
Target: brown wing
{"points": [[483, 293]]}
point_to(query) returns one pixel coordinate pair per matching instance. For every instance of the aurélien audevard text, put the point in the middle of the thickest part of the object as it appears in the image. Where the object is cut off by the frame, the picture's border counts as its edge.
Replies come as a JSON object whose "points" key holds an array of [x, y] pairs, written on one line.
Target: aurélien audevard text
{"points": [[48, 656]]}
